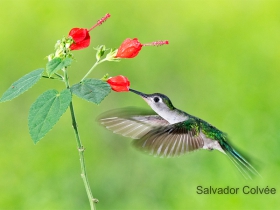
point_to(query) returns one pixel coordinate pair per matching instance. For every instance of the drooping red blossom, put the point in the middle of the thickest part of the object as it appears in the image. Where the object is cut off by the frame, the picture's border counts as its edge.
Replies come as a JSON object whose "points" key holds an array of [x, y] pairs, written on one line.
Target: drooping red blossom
{"points": [[119, 83], [131, 47], [81, 36]]}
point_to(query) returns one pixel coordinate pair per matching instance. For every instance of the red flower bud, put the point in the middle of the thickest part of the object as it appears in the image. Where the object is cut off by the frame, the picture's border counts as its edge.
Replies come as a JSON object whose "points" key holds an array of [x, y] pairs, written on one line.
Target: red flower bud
{"points": [[81, 36], [119, 83], [129, 48]]}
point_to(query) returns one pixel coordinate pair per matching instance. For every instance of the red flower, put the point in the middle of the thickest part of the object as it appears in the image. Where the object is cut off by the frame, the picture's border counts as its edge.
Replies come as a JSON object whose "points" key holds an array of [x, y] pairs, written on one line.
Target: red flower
{"points": [[81, 36], [119, 83], [131, 47]]}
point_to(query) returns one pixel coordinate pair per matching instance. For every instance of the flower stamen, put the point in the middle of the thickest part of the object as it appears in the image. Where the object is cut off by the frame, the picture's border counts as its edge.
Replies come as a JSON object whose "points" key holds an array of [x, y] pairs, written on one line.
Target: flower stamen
{"points": [[99, 22], [157, 43]]}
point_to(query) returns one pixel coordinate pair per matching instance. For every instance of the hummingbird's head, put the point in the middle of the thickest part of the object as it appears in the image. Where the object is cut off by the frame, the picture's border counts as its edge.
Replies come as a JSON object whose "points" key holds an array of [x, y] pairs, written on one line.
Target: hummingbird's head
{"points": [[158, 102]]}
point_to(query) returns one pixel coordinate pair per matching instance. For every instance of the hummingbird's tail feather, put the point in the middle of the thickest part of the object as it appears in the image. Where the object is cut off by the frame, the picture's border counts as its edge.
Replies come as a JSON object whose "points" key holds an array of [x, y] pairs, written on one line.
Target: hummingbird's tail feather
{"points": [[243, 166]]}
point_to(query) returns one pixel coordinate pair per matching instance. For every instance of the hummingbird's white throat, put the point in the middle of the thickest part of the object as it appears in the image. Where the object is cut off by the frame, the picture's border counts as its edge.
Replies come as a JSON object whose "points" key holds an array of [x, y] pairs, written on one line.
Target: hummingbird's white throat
{"points": [[170, 115]]}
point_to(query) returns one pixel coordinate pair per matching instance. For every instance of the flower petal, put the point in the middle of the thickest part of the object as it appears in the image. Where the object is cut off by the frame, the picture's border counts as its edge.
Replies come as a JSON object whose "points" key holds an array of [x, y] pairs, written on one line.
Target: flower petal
{"points": [[129, 48], [81, 38], [119, 83]]}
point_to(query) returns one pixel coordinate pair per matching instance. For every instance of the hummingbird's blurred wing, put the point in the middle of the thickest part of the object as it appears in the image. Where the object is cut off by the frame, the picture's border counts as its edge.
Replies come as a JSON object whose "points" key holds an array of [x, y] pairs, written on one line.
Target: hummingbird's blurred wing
{"points": [[131, 122], [171, 140]]}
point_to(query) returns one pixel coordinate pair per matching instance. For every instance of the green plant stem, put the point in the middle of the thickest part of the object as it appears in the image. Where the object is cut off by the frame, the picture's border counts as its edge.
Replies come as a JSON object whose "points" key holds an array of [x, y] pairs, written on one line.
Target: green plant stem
{"points": [[81, 150], [94, 65]]}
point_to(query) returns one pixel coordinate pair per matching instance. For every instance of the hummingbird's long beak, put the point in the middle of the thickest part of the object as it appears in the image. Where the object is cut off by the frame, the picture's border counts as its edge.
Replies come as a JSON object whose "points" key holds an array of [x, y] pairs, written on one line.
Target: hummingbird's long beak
{"points": [[143, 95]]}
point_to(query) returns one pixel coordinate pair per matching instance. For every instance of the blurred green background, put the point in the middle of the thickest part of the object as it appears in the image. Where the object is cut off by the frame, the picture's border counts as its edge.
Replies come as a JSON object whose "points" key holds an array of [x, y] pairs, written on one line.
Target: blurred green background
{"points": [[222, 65]]}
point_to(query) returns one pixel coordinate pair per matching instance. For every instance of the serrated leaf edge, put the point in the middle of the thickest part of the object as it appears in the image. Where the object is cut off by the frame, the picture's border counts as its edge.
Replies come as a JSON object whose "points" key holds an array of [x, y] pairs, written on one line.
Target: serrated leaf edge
{"points": [[58, 93], [13, 84]]}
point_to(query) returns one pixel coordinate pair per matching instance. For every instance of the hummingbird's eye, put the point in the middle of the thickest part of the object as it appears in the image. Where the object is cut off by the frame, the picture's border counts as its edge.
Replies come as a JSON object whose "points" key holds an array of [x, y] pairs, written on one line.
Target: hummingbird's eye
{"points": [[156, 99]]}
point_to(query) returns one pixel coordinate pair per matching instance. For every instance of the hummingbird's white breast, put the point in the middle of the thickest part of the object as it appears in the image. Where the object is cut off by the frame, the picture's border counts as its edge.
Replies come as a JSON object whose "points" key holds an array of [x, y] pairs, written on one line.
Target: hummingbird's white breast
{"points": [[172, 116]]}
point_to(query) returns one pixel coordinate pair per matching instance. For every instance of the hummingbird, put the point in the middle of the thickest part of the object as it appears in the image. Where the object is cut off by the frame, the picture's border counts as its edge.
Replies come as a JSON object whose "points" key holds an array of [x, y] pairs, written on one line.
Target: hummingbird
{"points": [[170, 132]]}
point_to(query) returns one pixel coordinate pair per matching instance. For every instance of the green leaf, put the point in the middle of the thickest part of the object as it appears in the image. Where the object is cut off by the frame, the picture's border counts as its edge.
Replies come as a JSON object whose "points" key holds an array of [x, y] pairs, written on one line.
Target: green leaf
{"points": [[57, 64], [46, 111], [22, 85], [92, 90]]}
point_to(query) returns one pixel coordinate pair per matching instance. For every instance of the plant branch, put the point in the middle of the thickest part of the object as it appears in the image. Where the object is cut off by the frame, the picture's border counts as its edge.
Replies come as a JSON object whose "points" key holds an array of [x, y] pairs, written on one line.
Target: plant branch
{"points": [[81, 149], [94, 65]]}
